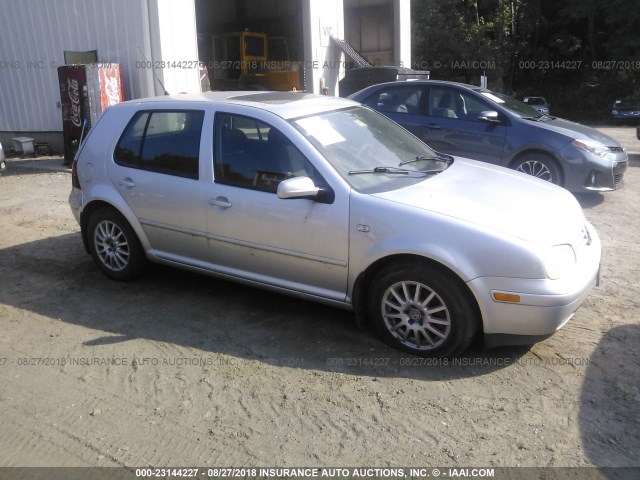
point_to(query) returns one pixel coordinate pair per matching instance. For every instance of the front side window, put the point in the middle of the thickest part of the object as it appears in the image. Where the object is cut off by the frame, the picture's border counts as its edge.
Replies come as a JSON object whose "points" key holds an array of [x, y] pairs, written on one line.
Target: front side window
{"points": [[450, 103], [252, 154], [162, 141]]}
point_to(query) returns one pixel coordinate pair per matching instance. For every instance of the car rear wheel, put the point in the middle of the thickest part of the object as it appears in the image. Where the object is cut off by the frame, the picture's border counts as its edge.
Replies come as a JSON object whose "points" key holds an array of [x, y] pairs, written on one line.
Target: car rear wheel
{"points": [[115, 246], [539, 166], [422, 310]]}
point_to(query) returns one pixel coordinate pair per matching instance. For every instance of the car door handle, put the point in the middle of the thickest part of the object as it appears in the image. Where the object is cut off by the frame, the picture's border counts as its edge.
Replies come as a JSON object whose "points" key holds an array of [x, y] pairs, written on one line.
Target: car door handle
{"points": [[220, 202], [432, 126], [127, 183]]}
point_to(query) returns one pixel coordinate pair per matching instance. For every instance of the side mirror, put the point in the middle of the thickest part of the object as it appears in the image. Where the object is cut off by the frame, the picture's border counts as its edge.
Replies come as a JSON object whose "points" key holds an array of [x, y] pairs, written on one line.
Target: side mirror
{"points": [[489, 116], [298, 187]]}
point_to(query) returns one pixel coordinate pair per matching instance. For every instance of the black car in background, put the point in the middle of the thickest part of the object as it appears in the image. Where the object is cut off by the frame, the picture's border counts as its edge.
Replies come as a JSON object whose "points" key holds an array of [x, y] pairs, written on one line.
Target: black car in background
{"points": [[472, 122], [539, 103]]}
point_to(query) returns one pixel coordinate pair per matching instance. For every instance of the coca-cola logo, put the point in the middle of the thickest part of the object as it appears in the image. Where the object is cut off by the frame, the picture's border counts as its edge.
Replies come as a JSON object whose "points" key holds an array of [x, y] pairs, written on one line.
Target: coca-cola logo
{"points": [[112, 90], [73, 90]]}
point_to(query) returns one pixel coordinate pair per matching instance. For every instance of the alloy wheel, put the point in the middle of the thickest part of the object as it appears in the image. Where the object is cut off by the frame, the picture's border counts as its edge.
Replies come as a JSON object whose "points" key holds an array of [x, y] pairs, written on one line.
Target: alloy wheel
{"points": [[416, 315], [537, 169], [111, 245]]}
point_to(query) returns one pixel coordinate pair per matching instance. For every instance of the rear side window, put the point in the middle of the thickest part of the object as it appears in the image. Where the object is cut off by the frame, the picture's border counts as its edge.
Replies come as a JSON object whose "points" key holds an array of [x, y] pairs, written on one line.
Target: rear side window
{"points": [[403, 99], [162, 141]]}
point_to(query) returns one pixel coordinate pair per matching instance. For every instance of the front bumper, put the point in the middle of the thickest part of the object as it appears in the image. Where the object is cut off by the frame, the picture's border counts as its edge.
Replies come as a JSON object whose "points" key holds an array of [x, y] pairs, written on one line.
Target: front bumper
{"points": [[545, 305], [587, 172], [626, 116]]}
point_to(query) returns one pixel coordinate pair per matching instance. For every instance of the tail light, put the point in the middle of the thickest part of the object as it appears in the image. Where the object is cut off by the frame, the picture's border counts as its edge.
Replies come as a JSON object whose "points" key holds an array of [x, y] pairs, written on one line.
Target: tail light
{"points": [[75, 181]]}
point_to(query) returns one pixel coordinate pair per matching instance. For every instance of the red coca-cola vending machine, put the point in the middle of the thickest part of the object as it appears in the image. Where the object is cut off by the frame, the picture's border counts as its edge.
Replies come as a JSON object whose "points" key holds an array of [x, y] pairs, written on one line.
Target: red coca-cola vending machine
{"points": [[85, 92]]}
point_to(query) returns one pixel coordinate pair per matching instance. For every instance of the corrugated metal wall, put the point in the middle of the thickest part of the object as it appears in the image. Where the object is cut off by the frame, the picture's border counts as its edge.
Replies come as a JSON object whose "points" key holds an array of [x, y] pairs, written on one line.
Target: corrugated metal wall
{"points": [[33, 37]]}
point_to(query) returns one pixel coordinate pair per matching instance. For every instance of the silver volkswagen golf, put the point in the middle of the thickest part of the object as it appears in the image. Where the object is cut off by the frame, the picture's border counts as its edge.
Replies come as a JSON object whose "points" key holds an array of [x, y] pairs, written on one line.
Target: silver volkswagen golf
{"points": [[325, 199]]}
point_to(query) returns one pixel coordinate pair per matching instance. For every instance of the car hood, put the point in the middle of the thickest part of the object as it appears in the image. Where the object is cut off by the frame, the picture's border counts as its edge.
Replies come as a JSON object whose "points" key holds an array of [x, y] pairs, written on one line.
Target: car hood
{"points": [[575, 130], [499, 199]]}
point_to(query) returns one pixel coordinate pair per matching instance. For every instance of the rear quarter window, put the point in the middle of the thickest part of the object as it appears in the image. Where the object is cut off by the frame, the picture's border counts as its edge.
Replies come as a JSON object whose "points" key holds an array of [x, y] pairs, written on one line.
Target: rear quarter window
{"points": [[162, 141]]}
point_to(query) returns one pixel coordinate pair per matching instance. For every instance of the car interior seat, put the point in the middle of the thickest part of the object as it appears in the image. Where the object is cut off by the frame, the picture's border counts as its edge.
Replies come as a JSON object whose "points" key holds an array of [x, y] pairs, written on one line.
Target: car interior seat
{"points": [[444, 109]]}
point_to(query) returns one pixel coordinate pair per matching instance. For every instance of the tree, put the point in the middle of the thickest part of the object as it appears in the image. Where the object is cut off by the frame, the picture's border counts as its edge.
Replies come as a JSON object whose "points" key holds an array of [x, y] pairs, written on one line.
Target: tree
{"points": [[541, 47]]}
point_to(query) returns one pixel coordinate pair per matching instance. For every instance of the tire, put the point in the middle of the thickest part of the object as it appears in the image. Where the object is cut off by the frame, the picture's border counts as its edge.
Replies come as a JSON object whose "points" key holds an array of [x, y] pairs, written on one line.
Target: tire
{"points": [[114, 245], [441, 323], [539, 165]]}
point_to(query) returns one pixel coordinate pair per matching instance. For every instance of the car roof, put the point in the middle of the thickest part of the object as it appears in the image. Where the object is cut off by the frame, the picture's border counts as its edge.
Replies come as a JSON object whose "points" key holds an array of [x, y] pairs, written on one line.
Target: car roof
{"points": [[284, 104], [377, 86]]}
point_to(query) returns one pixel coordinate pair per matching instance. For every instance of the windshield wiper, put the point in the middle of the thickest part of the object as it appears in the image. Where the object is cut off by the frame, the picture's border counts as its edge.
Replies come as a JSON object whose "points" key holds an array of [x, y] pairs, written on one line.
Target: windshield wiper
{"points": [[396, 171], [440, 157]]}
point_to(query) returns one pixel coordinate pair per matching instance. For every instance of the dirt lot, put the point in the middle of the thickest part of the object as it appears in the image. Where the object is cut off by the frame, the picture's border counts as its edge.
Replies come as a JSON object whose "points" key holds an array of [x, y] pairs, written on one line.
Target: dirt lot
{"points": [[179, 369]]}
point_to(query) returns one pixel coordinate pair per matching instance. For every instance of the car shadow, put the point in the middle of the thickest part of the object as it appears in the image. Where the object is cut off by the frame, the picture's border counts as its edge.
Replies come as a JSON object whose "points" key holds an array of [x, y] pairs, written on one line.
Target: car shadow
{"points": [[54, 277], [609, 415], [589, 199], [34, 166], [634, 160]]}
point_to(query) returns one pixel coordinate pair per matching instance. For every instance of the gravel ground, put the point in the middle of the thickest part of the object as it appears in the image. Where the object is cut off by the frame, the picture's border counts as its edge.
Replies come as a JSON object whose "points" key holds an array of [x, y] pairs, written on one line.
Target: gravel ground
{"points": [[178, 369]]}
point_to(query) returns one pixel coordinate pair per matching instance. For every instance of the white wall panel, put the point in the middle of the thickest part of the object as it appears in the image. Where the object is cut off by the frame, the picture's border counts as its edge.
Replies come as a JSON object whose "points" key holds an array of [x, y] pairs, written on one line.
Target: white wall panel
{"points": [[33, 37]]}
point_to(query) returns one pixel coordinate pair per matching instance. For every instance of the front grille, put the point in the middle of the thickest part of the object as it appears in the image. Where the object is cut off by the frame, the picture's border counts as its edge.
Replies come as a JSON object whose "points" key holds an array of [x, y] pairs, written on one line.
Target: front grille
{"points": [[616, 149], [618, 179], [618, 173]]}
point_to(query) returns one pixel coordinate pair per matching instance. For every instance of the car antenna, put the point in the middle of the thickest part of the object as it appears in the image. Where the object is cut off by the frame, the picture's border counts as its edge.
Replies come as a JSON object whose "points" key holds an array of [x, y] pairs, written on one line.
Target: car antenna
{"points": [[153, 71]]}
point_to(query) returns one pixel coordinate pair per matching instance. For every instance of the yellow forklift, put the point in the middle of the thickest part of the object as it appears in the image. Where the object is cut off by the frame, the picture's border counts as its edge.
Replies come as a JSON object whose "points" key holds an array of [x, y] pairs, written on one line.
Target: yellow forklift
{"points": [[253, 61]]}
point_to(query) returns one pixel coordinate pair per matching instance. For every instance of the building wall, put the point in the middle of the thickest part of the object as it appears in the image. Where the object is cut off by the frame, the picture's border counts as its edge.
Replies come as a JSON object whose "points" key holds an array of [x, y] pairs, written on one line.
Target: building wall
{"points": [[402, 33], [140, 34], [35, 33], [174, 46], [323, 61]]}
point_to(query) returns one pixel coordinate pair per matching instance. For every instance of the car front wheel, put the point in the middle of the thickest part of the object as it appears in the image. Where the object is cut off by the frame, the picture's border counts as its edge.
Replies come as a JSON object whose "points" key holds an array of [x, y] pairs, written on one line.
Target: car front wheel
{"points": [[115, 246], [422, 310], [539, 166]]}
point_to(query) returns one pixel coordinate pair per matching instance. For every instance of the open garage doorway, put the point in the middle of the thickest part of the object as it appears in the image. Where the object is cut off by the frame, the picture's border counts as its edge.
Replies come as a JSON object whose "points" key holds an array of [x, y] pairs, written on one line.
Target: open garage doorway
{"points": [[248, 45]]}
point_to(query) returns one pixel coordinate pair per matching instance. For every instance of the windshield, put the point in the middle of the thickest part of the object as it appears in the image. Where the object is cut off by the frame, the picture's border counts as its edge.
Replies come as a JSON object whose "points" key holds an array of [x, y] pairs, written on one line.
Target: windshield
{"points": [[514, 106], [535, 101], [369, 151], [253, 46], [627, 103]]}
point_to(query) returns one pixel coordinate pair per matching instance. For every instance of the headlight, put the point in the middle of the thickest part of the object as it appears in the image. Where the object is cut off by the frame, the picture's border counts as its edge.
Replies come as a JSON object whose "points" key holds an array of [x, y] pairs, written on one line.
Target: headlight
{"points": [[558, 261], [592, 147]]}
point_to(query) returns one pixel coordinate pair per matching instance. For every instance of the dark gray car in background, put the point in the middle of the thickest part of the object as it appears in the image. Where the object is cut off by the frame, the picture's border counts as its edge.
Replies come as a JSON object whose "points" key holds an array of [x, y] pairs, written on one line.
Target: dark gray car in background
{"points": [[472, 122]]}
